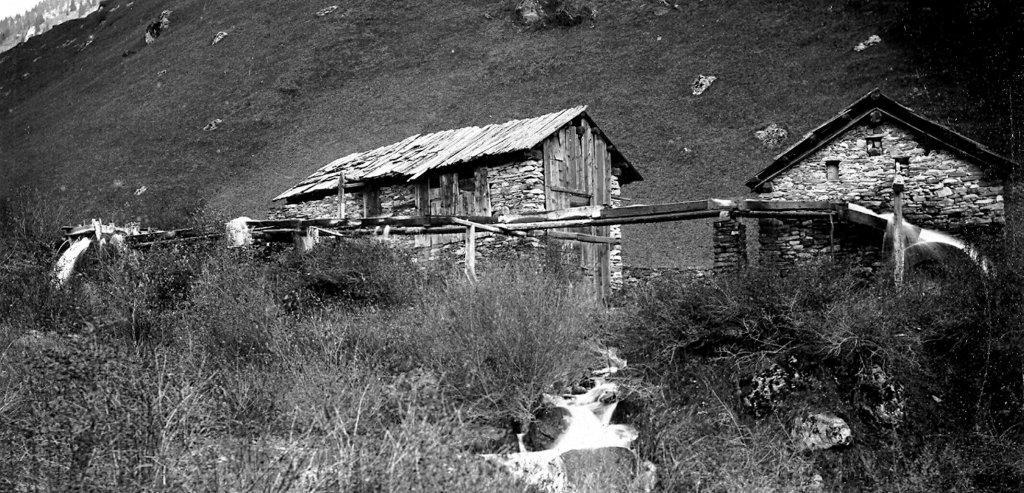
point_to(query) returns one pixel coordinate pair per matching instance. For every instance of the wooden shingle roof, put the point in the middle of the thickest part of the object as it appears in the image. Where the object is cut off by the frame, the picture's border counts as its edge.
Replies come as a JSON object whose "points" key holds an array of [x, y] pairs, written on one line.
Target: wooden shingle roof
{"points": [[412, 157], [859, 112]]}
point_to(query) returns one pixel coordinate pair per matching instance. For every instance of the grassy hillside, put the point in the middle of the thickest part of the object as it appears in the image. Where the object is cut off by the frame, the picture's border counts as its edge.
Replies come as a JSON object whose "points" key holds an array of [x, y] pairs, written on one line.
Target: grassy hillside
{"points": [[91, 126]]}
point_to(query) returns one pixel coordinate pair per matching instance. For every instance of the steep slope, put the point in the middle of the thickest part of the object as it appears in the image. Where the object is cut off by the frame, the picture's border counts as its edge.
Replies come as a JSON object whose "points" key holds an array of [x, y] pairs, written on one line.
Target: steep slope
{"points": [[94, 124]]}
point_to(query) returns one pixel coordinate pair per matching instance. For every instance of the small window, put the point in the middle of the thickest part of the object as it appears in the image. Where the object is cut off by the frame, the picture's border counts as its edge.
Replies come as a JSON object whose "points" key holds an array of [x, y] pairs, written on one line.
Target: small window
{"points": [[901, 165], [832, 170], [874, 145]]}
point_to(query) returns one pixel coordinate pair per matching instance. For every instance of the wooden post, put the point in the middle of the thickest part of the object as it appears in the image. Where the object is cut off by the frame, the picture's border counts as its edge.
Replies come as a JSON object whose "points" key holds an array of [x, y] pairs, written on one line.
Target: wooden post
{"points": [[898, 240], [471, 253], [341, 195], [306, 240]]}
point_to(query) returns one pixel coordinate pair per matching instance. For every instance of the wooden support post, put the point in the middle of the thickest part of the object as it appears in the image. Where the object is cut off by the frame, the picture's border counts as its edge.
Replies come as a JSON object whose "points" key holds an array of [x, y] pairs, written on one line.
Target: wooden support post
{"points": [[341, 195], [898, 239], [307, 239], [471, 253]]}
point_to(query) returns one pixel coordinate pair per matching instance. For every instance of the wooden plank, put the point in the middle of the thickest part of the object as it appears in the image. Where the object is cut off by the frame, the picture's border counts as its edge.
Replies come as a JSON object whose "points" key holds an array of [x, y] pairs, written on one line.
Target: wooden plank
{"points": [[423, 197], [602, 170], [341, 195], [645, 218], [481, 193], [549, 172], [672, 207], [786, 214], [561, 157], [371, 202], [776, 205], [587, 160], [586, 238], [570, 191], [486, 227], [471, 253], [448, 192]]}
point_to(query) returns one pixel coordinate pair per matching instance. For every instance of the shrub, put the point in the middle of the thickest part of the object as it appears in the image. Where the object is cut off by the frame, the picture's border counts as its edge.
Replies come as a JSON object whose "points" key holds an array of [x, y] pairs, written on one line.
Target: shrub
{"points": [[516, 333]]}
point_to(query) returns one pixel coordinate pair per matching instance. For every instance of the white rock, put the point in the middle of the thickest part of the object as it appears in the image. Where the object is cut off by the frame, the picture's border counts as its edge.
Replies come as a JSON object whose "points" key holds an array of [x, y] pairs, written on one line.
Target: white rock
{"points": [[702, 83], [821, 431], [863, 45]]}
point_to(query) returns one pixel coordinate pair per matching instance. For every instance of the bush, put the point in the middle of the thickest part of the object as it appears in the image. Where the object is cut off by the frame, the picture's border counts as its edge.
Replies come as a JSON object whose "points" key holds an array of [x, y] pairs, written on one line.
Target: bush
{"points": [[516, 333]]}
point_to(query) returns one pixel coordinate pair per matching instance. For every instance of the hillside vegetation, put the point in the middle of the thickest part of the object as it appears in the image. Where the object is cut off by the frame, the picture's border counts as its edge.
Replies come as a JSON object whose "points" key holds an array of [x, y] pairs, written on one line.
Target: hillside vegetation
{"points": [[355, 368], [91, 114]]}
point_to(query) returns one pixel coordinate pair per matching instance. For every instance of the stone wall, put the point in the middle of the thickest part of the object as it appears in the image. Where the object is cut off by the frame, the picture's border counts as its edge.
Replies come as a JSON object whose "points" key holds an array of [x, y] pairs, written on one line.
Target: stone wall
{"points": [[788, 241], [313, 209], [730, 245], [615, 267], [943, 192], [517, 188]]}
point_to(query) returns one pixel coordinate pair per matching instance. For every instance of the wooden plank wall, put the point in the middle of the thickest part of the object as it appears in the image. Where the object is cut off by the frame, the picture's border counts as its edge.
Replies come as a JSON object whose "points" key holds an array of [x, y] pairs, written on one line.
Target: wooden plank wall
{"points": [[577, 172]]}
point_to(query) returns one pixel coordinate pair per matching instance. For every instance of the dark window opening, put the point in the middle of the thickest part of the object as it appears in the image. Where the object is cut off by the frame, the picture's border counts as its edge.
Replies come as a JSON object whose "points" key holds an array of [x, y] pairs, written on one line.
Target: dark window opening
{"points": [[874, 144], [832, 170]]}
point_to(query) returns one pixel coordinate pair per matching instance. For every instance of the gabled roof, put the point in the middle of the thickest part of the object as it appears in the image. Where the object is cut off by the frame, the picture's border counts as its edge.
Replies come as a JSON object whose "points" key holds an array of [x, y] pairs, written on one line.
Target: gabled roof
{"points": [[861, 110], [411, 158]]}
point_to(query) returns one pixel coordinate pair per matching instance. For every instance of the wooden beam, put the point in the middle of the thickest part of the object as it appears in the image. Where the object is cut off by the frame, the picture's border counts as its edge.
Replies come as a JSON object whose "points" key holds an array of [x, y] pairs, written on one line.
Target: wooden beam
{"points": [[669, 208], [778, 205], [485, 227], [578, 193], [341, 195], [785, 214], [471, 253], [563, 235], [644, 218]]}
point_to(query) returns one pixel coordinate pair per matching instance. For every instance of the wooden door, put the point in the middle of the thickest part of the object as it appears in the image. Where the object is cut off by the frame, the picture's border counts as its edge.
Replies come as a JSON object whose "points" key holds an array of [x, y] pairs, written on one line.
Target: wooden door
{"points": [[576, 170]]}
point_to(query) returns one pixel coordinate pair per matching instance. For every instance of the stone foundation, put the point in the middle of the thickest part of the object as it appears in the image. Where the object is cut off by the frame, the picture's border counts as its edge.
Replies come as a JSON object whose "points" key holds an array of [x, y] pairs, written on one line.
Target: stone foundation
{"points": [[730, 244], [788, 241]]}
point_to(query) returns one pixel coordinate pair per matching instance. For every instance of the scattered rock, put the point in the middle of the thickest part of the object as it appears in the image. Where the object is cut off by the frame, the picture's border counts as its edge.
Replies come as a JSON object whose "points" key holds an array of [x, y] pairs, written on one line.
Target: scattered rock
{"points": [[881, 397], [529, 12], [769, 388], [326, 10], [546, 471], [863, 45], [161, 73], [549, 423], [772, 136], [492, 439], [821, 431], [541, 13], [702, 83], [217, 37], [156, 28], [213, 125]]}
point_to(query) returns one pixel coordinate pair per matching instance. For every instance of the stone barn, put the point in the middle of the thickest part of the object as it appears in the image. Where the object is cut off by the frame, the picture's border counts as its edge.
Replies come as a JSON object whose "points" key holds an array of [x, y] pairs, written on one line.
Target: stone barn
{"points": [[520, 167], [952, 183]]}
